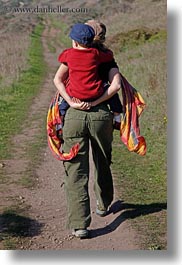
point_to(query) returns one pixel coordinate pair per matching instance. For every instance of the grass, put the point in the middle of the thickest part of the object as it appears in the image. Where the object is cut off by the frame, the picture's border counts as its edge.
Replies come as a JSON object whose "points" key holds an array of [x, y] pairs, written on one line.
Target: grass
{"points": [[142, 181], [13, 55], [62, 38], [130, 40], [15, 100]]}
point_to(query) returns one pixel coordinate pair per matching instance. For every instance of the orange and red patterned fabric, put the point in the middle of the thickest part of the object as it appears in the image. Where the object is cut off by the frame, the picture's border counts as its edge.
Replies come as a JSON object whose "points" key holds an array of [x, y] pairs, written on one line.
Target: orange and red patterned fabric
{"points": [[133, 106], [54, 126]]}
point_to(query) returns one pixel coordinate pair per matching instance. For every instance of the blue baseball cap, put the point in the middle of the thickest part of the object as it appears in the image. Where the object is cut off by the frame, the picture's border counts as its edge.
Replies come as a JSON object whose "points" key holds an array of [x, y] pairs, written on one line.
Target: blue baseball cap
{"points": [[82, 33]]}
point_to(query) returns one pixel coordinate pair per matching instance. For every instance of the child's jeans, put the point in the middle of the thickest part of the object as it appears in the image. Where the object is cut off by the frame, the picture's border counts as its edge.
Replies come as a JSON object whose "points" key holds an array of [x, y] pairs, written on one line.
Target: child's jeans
{"points": [[63, 106]]}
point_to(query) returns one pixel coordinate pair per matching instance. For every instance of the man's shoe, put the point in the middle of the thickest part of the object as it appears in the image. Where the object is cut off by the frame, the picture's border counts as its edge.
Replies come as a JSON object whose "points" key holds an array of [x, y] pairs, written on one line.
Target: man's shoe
{"points": [[101, 213], [80, 233]]}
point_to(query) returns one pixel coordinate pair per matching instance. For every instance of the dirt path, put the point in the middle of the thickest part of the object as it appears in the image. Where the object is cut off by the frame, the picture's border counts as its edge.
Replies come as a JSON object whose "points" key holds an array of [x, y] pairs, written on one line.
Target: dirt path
{"points": [[47, 200]]}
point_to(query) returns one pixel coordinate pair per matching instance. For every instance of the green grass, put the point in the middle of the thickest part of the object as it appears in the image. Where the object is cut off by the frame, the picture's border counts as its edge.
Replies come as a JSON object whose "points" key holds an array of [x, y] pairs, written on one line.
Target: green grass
{"points": [[15, 100], [124, 41], [142, 181]]}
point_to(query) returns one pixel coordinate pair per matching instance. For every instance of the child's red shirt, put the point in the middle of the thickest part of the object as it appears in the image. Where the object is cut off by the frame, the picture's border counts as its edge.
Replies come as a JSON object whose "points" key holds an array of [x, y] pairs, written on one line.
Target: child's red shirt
{"points": [[85, 83]]}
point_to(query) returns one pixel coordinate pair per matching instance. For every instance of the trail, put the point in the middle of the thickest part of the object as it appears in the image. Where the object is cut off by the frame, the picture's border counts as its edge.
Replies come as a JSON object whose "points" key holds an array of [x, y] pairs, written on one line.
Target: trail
{"points": [[47, 199]]}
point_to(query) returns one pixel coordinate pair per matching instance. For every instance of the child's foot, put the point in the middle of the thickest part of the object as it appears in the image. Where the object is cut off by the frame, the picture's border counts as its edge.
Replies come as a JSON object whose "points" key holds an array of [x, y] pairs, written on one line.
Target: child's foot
{"points": [[117, 121], [60, 135], [117, 125]]}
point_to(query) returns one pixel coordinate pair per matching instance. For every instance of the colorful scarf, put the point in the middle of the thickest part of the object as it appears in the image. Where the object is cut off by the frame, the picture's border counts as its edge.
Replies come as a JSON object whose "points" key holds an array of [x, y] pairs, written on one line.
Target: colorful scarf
{"points": [[54, 129], [133, 106]]}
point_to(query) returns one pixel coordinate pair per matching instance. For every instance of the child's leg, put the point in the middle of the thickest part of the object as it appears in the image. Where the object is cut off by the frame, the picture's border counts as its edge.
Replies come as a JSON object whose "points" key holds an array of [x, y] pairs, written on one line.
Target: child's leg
{"points": [[117, 121], [115, 104], [63, 106], [117, 108]]}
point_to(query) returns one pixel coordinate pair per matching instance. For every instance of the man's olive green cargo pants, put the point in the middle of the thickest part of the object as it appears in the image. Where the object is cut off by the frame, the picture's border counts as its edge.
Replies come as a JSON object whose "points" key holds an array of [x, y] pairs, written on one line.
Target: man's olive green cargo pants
{"points": [[84, 127]]}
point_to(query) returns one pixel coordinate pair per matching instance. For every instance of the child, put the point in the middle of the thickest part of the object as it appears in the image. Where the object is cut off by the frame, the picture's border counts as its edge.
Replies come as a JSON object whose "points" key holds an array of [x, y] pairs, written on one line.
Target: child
{"points": [[98, 43], [83, 61]]}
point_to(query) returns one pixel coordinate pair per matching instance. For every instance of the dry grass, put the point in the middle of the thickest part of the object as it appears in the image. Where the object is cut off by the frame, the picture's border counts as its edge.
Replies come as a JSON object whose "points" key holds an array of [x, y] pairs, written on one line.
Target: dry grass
{"points": [[13, 57], [151, 14], [15, 30]]}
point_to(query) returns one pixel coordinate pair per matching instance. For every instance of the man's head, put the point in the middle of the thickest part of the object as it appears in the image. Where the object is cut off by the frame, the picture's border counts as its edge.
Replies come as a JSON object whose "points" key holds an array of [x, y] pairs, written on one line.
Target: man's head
{"points": [[99, 29]]}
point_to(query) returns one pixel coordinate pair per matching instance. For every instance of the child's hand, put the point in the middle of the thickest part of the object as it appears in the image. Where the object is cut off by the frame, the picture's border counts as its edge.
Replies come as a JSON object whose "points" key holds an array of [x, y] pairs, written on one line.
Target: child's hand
{"points": [[81, 105], [76, 100]]}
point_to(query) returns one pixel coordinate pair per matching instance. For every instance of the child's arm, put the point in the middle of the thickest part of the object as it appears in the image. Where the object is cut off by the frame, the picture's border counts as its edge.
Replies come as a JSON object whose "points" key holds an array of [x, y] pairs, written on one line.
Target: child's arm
{"points": [[61, 75], [112, 89]]}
